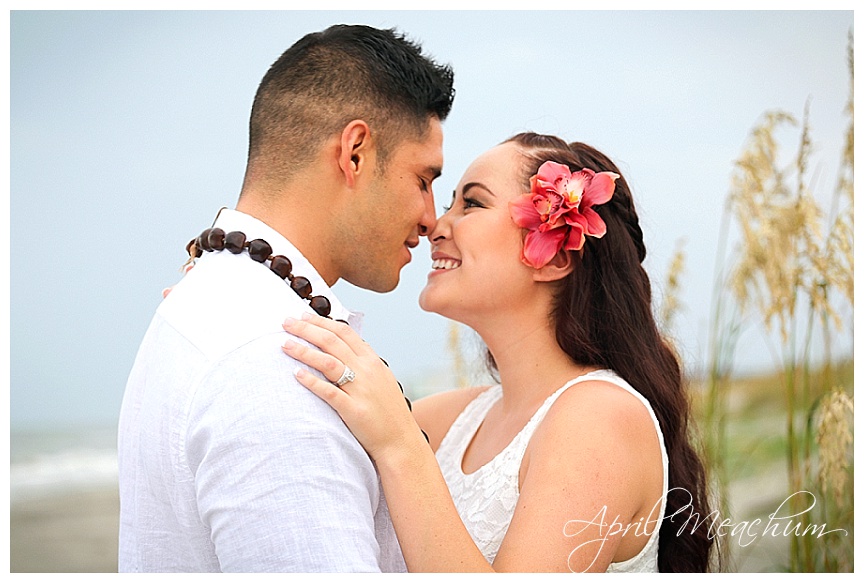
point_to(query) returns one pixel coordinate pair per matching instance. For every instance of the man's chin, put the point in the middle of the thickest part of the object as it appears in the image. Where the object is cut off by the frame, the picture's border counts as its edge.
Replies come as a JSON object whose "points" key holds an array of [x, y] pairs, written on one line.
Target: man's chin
{"points": [[381, 284]]}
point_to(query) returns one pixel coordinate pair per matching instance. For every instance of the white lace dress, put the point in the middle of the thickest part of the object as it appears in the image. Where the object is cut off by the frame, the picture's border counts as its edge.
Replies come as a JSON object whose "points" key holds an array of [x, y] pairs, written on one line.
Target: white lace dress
{"points": [[486, 499]]}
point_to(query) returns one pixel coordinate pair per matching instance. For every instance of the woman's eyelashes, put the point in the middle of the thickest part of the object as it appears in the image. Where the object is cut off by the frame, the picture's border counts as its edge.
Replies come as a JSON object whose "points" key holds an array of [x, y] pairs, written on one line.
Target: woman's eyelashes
{"points": [[467, 202]]}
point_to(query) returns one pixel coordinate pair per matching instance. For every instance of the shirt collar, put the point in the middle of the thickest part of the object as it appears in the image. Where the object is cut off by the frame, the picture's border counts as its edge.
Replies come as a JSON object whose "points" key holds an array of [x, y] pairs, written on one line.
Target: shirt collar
{"points": [[233, 220]]}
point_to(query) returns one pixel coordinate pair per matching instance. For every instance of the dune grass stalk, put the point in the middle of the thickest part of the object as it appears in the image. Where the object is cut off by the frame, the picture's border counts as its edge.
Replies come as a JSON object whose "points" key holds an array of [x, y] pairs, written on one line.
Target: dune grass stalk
{"points": [[793, 276]]}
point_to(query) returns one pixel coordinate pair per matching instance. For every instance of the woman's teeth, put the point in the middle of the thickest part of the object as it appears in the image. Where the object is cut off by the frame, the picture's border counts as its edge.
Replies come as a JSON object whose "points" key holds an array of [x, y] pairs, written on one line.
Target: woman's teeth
{"points": [[446, 264]]}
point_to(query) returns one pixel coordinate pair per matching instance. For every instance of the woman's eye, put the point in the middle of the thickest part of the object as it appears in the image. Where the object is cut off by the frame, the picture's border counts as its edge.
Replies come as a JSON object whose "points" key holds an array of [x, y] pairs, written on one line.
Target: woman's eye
{"points": [[467, 203]]}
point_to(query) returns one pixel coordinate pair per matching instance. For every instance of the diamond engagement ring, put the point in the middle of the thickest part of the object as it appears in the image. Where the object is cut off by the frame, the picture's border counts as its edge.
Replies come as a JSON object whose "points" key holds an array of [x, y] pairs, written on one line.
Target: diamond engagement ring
{"points": [[347, 376]]}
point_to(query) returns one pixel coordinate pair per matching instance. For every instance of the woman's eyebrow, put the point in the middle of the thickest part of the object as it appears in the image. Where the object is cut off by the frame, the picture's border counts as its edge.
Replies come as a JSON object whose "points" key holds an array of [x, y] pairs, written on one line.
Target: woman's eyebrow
{"points": [[470, 185]]}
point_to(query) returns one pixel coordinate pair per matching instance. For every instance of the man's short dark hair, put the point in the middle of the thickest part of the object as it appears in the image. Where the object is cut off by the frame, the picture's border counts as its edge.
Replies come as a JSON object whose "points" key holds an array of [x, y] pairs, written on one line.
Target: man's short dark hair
{"points": [[346, 72]]}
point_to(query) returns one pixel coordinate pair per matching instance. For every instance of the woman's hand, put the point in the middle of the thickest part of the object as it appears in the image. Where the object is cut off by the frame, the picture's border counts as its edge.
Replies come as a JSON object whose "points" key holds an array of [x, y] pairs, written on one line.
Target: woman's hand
{"points": [[372, 404]]}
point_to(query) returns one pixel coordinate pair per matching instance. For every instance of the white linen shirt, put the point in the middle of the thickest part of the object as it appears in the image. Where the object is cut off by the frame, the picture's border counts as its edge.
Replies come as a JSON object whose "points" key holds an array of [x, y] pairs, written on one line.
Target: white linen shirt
{"points": [[226, 462]]}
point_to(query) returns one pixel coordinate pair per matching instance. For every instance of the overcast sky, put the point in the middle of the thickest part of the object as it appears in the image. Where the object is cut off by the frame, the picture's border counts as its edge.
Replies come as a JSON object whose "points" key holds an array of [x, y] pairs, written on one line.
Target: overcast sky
{"points": [[128, 132]]}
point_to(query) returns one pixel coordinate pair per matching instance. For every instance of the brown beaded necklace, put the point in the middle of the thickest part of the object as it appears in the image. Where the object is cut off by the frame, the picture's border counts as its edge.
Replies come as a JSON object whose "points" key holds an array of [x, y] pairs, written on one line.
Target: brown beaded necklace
{"points": [[215, 239]]}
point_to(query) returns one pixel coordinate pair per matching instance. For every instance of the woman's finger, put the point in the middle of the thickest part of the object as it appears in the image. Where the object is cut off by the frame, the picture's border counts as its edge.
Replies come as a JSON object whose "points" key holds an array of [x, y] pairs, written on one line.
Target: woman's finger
{"points": [[340, 329], [325, 339], [328, 392], [328, 365]]}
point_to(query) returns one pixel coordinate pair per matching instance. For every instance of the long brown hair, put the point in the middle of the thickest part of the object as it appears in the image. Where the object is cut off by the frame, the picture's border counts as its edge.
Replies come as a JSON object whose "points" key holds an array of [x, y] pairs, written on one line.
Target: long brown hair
{"points": [[602, 316]]}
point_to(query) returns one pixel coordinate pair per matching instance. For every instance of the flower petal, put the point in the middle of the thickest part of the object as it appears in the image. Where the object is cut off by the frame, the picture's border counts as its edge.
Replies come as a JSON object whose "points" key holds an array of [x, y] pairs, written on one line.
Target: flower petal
{"points": [[558, 215], [540, 248], [576, 185], [547, 204], [576, 238], [600, 189], [592, 223], [524, 213], [549, 225], [551, 175]]}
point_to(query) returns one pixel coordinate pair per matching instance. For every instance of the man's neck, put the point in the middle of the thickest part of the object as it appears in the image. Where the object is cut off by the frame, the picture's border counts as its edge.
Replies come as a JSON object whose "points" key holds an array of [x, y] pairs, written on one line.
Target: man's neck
{"points": [[294, 222]]}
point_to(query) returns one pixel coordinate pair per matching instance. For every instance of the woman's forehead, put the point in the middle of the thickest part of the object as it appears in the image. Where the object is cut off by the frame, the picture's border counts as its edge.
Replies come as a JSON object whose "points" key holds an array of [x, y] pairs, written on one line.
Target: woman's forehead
{"points": [[499, 167]]}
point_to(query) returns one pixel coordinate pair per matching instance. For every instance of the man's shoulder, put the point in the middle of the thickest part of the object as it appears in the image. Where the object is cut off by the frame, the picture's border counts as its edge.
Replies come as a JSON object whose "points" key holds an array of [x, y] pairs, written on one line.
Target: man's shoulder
{"points": [[227, 302]]}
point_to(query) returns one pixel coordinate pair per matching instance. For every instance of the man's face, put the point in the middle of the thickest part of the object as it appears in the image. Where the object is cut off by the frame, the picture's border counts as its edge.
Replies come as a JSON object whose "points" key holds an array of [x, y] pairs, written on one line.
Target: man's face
{"points": [[393, 212]]}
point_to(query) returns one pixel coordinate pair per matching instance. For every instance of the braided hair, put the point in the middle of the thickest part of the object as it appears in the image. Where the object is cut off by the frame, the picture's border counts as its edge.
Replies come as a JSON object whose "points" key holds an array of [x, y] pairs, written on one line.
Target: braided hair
{"points": [[602, 317]]}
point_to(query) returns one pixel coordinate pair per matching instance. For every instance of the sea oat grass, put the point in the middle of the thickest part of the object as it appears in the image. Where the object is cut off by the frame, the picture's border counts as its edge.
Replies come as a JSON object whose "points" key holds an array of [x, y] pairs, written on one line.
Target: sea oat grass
{"points": [[454, 347], [792, 268], [834, 437]]}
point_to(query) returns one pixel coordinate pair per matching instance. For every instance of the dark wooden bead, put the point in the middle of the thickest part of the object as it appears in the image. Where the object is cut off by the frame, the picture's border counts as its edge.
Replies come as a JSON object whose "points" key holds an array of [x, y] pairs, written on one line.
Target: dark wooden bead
{"points": [[235, 241], [281, 266], [216, 239], [321, 305], [259, 250], [204, 240], [197, 250], [301, 287]]}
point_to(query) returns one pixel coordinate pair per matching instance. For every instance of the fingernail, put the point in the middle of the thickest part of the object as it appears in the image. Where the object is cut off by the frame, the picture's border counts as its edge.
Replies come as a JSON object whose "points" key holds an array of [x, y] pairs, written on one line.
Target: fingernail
{"points": [[306, 316], [299, 373], [289, 322], [289, 344]]}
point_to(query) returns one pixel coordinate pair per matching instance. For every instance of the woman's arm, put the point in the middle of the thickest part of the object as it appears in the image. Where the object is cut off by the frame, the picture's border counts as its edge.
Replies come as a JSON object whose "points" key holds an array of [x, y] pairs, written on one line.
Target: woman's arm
{"points": [[591, 468], [430, 531]]}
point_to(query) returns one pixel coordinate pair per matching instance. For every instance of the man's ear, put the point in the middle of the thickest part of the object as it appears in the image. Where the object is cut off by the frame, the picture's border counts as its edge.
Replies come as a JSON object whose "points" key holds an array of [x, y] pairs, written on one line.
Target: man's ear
{"points": [[356, 151], [559, 267]]}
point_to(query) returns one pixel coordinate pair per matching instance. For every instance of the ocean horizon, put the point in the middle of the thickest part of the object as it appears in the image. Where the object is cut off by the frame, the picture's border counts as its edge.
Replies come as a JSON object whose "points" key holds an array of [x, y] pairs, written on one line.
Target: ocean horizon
{"points": [[58, 460]]}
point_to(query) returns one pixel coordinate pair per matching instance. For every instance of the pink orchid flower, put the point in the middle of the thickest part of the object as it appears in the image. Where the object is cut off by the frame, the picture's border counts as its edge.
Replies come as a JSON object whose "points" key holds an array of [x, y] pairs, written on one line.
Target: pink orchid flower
{"points": [[557, 212]]}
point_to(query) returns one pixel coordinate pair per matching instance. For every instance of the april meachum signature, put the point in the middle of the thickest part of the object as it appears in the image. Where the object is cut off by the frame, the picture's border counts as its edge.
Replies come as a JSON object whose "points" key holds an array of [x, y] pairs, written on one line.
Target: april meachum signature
{"points": [[747, 531]]}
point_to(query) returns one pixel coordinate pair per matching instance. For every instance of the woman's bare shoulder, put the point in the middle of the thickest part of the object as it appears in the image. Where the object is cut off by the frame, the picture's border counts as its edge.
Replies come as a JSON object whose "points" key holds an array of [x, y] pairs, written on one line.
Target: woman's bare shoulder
{"points": [[436, 413], [598, 420], [604, 408]]}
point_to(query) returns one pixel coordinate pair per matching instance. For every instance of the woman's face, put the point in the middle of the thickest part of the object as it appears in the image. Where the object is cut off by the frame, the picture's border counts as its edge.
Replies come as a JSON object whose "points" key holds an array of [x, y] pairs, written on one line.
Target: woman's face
{"points": [[476, 246]]}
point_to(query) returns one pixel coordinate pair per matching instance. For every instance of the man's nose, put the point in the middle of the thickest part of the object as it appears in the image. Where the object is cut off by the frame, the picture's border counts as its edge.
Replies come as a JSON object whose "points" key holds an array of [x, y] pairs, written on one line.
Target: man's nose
{"points": [[428, 220]]}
